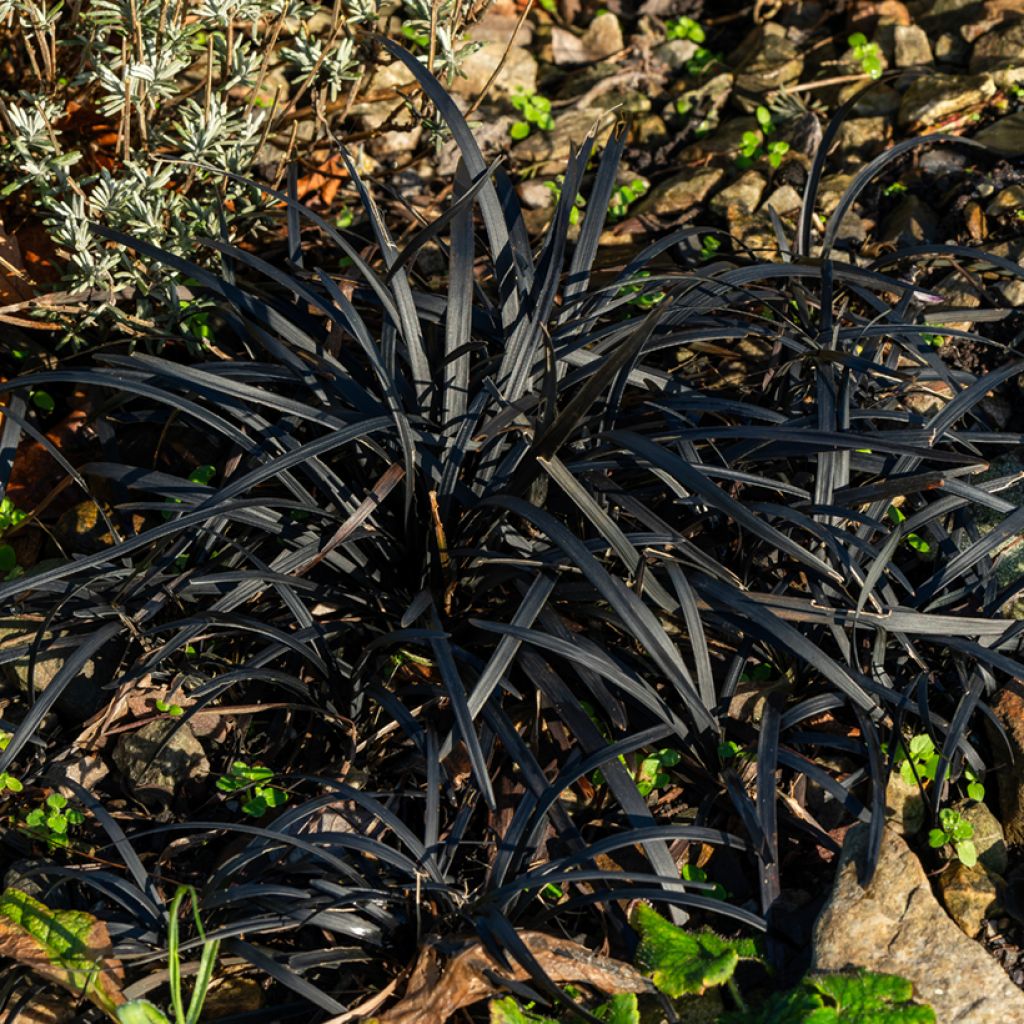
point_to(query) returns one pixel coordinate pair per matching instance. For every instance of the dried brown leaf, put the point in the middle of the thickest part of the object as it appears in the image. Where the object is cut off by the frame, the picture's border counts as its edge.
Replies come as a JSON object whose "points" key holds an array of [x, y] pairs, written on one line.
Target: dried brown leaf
{"points": [[434, 994]]}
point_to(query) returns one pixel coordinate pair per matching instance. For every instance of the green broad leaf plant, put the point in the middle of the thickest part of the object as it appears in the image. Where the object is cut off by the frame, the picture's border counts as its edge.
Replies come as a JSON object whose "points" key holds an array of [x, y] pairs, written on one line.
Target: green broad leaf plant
{"points": [[685, 963], [536, 113], [956, 831], [241, 778]]}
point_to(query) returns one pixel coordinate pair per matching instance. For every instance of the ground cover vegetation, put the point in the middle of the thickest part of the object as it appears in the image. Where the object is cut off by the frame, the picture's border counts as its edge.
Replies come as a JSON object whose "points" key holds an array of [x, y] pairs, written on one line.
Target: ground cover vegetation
{"points": [[413, 615]]}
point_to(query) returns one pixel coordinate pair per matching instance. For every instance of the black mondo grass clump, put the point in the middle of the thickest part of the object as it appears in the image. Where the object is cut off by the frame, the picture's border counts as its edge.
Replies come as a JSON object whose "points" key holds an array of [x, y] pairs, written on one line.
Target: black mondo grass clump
{"points": [[529, 613]]}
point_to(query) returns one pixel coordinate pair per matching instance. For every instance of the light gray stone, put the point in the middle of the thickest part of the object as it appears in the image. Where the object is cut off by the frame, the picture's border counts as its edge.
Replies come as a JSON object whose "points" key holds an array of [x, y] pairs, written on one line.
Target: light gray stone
{"points": [[1002, 48], [896, 925], [930, 98], [1006, 135], [741, 197], [551, 149], [912, 46], [159, 759], [518, 72], [675, 53], [969, 895], [682, 192]]}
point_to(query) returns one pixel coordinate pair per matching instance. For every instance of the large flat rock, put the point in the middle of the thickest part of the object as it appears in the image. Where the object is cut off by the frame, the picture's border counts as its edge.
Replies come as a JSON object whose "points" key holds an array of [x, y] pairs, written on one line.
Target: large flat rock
{"points": [[896, 925]]}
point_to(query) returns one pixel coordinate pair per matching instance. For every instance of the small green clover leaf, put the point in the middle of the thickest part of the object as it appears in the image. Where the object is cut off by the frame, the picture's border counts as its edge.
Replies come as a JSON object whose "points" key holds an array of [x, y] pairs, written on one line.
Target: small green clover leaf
{"points": [[957, 831], [623, 197], [919, 761], [652, 775], [975, 788], [10, 783], [536, 111], [682, 962], [914, 540], [868, 55], [243, 777], [776, 151], [43, 400], [684, 28]]}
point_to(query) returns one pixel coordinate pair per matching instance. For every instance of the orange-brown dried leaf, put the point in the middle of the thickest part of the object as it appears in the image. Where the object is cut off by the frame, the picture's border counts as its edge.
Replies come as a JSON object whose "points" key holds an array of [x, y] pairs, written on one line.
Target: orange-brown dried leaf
{"points": [[435, 994], [69, 947]]}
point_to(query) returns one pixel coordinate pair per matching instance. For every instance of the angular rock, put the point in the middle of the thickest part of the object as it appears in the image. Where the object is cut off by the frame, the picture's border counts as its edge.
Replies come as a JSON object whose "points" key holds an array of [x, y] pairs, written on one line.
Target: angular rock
{"points": [[876, 102], [988, 837], [930, 98], [675, 53], [911, 222], [767, 59], [518, 72], [741, 197], [159, 759], [725, 141], [1006, 201], [681, 192], [896, 925], [904, 805], [861, 139], [951, 48], [969, 895], [1005, 136], [571, 128], [784, 200], [81, 698], [912, 46], [1000, 49], [602, 39]]}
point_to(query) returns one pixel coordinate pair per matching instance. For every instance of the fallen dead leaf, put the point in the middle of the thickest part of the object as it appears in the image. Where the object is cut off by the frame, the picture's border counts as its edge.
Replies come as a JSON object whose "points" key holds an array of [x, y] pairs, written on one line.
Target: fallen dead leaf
{"points": [[434, 993], [69, 947]]}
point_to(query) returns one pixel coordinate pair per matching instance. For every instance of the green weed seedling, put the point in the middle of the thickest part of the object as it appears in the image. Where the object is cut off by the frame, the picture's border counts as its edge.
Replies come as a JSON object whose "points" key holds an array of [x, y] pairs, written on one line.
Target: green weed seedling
{"points": [[624, 197], [555, 187], [914, 540], [868, 55], [54, 819], [641, 297], [142, 1011], [536, 111], [775, 151], [684, 28], [709, 245], [764, 119], [174, 710], [957, 831], [652, 774], [10, 517], [975, 787], [701, 61], [918, 761], [896, 188], [692, 873], [242, 776], [620, 1009]]}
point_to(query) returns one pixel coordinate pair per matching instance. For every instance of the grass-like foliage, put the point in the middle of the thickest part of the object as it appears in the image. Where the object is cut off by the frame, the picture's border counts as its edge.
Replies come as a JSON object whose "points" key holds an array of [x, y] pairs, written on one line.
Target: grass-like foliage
{"points": [[463, 548]]}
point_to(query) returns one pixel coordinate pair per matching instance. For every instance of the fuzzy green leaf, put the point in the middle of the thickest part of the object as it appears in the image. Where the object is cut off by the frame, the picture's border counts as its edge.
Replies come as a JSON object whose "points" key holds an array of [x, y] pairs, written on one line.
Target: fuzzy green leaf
{"points": [[508, 1011], [686, 963], [69, 947], [868, 998]]}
